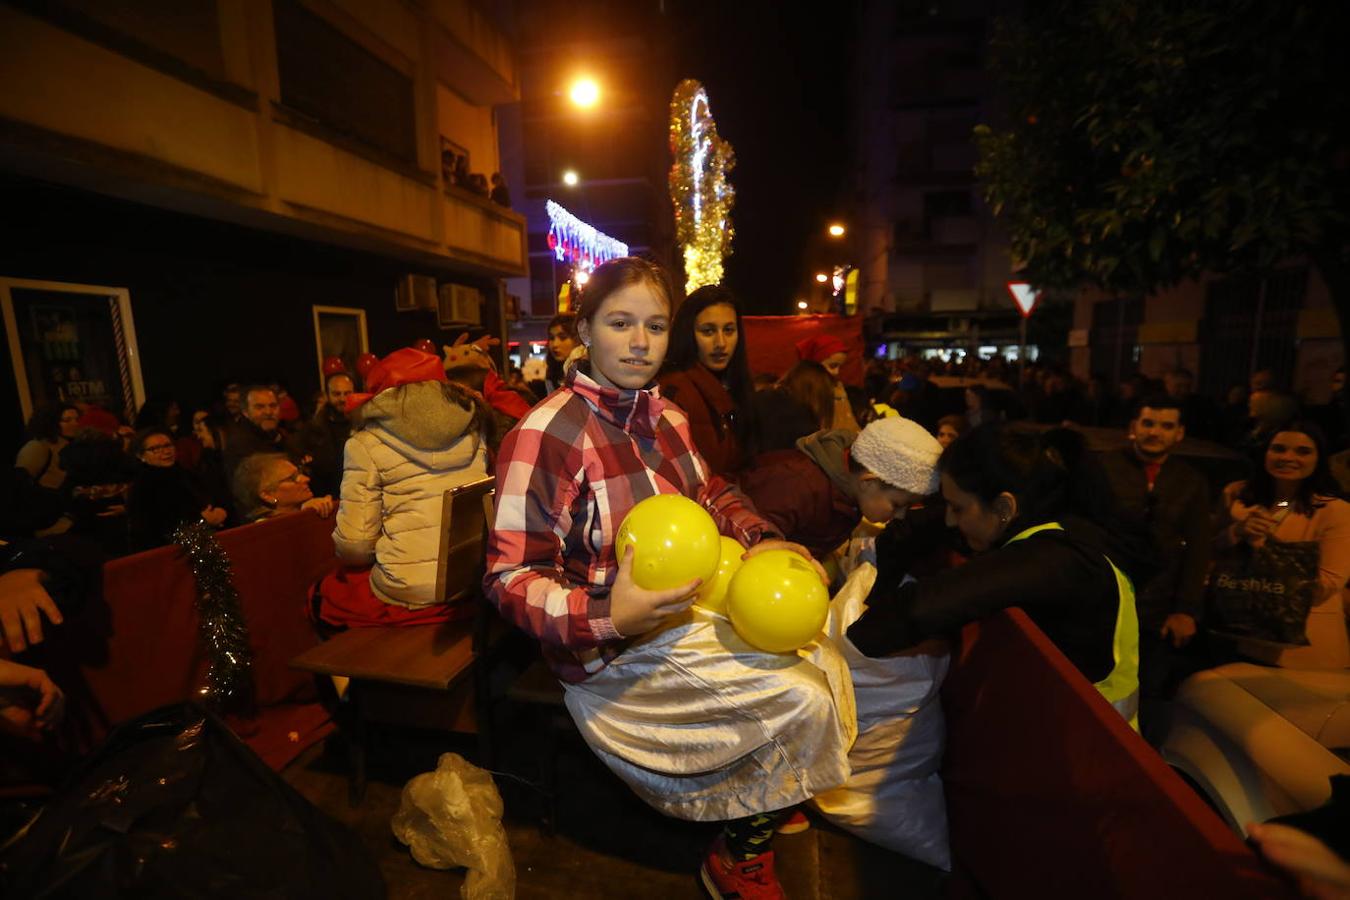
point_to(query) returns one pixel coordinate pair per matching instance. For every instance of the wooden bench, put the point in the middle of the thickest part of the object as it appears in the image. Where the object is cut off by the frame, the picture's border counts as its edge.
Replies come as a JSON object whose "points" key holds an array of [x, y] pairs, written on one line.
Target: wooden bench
{"points": [[418, 674]]}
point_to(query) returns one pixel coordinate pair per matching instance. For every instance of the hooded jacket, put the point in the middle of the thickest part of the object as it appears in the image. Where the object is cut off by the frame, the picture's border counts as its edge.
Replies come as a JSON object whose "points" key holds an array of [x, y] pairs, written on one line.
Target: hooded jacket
{"points": [[415, 444], [807, 492]]}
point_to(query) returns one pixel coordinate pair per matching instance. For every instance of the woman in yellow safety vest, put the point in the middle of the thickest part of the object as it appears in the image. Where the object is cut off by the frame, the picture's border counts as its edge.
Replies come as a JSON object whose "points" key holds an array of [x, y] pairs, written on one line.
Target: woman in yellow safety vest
{"points": [[1040, 519]]}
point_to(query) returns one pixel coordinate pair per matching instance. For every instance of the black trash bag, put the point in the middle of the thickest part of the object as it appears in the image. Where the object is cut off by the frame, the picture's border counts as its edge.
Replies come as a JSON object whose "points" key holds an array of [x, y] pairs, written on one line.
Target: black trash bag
{"points": [[175, 806]]}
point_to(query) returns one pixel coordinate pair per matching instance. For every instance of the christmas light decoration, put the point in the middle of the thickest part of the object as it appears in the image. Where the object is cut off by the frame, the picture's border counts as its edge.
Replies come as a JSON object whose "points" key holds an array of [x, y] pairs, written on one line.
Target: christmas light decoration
{"points": [[699, 189], [574, 241]]}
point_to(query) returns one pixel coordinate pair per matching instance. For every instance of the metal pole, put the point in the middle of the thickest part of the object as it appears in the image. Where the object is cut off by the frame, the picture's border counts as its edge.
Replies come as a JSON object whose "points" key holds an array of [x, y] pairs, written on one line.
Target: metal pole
{"points": [[1022, 354], [1256, 328]]}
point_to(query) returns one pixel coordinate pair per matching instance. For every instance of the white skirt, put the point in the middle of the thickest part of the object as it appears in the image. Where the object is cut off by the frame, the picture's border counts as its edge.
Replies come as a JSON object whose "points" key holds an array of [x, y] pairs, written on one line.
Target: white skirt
{"points": [[705, 727]]}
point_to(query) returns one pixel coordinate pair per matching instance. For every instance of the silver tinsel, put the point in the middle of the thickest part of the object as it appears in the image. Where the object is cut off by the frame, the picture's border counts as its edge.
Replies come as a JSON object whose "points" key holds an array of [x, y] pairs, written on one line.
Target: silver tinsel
{"points": [[220, 621]]}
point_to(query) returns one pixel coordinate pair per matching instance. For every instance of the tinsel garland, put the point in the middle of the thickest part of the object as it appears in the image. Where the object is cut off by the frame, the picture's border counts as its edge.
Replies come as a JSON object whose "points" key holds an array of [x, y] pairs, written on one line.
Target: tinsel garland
{"points": [[699, 189], [220, 621]]}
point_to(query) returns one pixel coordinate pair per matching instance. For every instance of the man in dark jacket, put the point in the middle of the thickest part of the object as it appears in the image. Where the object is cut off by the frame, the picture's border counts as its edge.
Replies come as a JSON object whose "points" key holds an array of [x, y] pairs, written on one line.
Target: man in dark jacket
{"points": [[1172, 501], [319, 444], [258, 432]]}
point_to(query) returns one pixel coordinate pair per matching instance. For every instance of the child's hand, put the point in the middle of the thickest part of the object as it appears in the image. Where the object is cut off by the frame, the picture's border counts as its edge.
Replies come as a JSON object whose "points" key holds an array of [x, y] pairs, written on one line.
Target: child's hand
{"points": [[798, 549], [634, 610]]}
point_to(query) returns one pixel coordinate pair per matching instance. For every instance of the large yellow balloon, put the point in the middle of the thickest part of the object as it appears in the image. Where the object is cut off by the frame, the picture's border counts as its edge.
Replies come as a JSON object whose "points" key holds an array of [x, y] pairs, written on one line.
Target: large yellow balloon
{"points": [[674, 541], [713, 595], [776, 601]]}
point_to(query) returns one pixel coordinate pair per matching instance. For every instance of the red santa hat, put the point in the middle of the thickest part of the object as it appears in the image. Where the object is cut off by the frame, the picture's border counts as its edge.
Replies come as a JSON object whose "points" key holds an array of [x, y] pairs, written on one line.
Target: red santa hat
{"points": [[820, 347]]}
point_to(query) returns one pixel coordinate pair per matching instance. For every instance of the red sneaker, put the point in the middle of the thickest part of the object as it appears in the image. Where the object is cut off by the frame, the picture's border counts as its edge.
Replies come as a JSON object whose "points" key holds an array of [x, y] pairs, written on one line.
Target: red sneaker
{"points": [[795, 823], [752, 879]]}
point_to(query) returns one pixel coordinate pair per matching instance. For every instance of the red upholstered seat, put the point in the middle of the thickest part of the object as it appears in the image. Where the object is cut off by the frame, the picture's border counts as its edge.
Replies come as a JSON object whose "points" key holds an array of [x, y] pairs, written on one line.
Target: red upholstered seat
{"points": [[1051, 794], [139, 648]]}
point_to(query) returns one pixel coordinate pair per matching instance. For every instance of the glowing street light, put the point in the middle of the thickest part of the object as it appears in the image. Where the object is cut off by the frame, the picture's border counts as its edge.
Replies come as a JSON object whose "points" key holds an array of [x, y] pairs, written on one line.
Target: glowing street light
{"points": [[570, 178], [821, 277], [801, 304], [584, 93], [836, 230], [582, 277]]}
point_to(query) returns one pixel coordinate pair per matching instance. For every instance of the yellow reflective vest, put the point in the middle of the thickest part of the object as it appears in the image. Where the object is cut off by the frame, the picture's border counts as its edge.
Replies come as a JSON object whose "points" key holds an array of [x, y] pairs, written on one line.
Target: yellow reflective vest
{"points": [[1121, 686]]}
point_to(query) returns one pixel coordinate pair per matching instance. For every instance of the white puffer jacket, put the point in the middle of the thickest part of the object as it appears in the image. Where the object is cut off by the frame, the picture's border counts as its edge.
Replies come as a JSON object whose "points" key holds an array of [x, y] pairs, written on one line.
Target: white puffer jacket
{"points": [[415, 444]]}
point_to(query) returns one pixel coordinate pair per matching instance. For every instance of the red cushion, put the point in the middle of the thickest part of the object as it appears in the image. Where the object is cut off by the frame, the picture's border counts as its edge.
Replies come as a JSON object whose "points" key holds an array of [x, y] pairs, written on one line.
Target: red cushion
{"points": [[140, 649]]}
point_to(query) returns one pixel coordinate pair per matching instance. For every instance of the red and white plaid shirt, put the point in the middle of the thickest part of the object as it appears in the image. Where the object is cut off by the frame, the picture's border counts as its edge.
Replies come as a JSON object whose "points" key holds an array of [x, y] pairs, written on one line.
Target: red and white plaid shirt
{"points": [[567, 474]]}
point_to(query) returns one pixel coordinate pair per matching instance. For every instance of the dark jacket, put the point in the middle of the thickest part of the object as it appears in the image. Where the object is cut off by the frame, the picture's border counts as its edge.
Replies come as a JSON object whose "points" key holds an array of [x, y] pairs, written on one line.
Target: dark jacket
{"points": [[1176, 516], [1060, 578], [712, 416], [161, 499], [243, 438], [803, 491], [780, 421], [322, 439]]}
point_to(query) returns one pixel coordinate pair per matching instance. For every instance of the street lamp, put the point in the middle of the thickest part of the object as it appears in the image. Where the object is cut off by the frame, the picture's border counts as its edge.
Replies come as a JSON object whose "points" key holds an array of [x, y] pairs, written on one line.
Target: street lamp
{"points": [[801, 304], [584, 92], [570, 178], [821, 278], [836, 230]]}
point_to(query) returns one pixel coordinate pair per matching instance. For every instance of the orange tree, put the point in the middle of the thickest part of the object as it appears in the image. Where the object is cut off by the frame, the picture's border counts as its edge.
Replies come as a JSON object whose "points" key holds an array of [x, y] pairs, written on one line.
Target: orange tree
{"points": [[1146, 141]]}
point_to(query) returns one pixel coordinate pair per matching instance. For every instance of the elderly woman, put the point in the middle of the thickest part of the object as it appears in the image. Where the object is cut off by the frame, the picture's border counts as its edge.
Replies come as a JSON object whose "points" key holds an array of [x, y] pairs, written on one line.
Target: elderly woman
{"points": [[269, 484]]}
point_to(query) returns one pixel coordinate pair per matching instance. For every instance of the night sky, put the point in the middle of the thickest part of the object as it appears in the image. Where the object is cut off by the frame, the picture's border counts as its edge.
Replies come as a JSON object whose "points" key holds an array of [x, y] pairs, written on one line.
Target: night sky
{"points": [[777, 77]]}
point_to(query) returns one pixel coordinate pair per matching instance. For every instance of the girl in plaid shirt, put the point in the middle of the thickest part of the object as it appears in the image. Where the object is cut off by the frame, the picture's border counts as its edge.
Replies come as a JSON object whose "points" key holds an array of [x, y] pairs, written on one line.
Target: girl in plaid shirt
{"points": [[701, 725]]}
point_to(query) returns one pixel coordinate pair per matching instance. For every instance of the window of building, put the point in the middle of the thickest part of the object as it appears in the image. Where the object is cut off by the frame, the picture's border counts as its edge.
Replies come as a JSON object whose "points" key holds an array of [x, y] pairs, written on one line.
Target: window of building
{"points": [[333, 79]]}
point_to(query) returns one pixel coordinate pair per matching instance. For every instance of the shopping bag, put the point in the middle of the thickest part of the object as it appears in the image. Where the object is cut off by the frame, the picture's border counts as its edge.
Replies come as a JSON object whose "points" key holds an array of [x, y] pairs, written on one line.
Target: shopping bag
{"points": [[1265, 593]]}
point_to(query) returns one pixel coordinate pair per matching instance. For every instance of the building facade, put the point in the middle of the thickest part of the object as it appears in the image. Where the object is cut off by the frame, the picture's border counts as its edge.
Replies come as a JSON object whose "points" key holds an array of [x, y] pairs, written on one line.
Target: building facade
{"points": [[617, 148], [248, 179]]}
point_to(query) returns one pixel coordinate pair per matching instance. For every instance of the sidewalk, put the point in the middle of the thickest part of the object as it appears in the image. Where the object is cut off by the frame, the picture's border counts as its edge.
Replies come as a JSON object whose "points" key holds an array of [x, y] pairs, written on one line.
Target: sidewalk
{"points": [[608, 843]]}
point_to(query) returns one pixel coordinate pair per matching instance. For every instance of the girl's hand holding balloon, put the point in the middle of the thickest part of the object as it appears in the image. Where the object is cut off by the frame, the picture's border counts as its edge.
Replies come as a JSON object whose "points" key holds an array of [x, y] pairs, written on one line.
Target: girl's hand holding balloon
{"points": [[634, 610], [765, 546]]}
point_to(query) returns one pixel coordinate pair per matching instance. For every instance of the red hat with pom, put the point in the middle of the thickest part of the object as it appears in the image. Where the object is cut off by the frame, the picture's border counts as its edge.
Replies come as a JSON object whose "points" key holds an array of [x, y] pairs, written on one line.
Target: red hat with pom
{"points": [[820, 347], [406, 366]]}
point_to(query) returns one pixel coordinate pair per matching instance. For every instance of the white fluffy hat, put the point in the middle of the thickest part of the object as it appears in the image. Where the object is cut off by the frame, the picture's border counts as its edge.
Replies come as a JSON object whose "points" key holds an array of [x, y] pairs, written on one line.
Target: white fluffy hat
{"points": [[901, 453]]}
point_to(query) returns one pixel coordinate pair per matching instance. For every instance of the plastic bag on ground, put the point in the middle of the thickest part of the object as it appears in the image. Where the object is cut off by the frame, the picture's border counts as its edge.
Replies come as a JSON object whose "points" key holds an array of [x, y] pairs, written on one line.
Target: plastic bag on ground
{"points": [[452, 818], [173, 805], [894, 796]]}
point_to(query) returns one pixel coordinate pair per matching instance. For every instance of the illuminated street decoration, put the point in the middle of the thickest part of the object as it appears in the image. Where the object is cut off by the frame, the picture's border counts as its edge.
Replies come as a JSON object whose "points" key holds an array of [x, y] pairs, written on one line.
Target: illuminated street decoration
{"points": [[699, 189], [574, 241]]}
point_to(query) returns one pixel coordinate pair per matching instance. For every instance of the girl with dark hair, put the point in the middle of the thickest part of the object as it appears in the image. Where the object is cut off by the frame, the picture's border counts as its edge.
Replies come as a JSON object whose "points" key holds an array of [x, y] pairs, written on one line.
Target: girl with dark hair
{"points": [[1039, 516], [1293, 498], [707, 375], [701, 725], [800, 404], [562, 340], [50, 430]]}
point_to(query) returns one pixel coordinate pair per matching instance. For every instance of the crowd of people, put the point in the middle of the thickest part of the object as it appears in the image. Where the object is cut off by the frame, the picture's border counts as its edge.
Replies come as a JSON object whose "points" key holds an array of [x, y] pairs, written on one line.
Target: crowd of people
{"points": [[961, 511]]}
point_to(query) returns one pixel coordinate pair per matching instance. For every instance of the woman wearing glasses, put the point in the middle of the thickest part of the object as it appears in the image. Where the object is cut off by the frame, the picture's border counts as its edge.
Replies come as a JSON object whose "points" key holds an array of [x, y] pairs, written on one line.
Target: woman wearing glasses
{"points": [[163, 495]]}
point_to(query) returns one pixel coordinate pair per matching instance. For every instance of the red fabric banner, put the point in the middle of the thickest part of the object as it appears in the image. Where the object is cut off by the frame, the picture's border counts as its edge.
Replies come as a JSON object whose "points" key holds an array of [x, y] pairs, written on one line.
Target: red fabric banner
{"points": [[771, 342]]}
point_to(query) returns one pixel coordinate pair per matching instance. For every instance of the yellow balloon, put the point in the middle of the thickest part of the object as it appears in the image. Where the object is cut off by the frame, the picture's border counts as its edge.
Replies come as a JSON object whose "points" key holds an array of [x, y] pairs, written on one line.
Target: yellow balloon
{"points": [[674, 541], [713, 595], [777, 602]]}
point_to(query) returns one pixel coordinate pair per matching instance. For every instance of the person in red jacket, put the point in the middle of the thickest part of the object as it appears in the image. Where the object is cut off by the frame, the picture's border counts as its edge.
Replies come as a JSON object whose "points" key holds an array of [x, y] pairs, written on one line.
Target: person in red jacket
{"points": [[708, 376]]}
